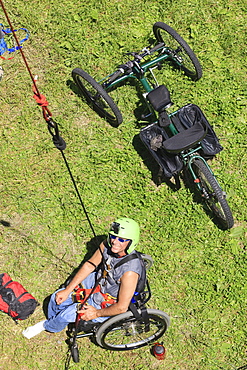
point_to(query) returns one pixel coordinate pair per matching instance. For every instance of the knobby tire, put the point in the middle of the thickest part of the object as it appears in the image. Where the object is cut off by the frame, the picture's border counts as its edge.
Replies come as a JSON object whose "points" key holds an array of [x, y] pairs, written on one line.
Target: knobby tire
{"points": [[213, 194], [97, 97], [181, 54], [74, 351]]}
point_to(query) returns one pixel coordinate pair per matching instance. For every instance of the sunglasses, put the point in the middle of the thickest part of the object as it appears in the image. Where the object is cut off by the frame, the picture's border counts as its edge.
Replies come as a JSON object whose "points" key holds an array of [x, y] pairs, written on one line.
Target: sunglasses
{"points": [[120, 239]]}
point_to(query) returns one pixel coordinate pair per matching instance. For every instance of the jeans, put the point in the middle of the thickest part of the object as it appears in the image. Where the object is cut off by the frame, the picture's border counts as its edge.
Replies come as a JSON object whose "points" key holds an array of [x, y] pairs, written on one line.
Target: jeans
{"points": [[59, 316]]}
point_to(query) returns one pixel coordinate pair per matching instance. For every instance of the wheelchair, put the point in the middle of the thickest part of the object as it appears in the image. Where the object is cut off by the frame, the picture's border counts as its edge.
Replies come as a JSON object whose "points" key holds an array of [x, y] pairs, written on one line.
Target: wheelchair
{"points": [[136, 328]]}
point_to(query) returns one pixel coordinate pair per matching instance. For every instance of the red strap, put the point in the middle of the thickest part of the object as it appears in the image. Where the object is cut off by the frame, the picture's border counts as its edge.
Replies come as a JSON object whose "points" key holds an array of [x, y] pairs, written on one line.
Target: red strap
{"points": [[108, 300], [6, 58], [81, 294]]}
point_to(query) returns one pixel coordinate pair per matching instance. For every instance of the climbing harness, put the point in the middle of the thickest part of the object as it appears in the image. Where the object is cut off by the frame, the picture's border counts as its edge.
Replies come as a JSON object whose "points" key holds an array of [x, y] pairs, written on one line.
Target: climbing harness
{"points": [[4, 45], [80, 294]]}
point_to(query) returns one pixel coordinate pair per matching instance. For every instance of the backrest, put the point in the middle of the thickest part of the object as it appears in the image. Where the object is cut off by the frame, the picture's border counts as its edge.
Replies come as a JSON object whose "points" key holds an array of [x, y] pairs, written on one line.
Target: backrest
{"points": [[143, 278], [186, 117], [159, 98]]}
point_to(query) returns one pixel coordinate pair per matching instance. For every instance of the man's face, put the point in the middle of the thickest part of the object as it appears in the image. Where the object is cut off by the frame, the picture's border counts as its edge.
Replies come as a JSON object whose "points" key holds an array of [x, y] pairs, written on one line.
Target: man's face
{"points": [[118, 245]]}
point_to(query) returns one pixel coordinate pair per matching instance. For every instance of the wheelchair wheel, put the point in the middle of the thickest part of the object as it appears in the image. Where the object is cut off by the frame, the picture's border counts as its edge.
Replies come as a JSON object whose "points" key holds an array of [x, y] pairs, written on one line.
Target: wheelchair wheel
{"points": [[124, 332], [213, 194], [180, 52], [74, 350], [97, 97]]}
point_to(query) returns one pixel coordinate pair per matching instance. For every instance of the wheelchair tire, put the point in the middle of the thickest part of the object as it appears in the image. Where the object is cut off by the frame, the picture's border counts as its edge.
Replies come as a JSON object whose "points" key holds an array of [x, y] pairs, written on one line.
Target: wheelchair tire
{"points": [[181, 54], [97, 97], [74, 351], [213, 194], [124, 332]]}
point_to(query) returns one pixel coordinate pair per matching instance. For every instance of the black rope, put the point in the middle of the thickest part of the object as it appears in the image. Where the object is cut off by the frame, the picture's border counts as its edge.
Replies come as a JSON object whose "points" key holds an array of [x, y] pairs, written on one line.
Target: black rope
{"points": [[67, 362], [60, 144], [78, 194]]}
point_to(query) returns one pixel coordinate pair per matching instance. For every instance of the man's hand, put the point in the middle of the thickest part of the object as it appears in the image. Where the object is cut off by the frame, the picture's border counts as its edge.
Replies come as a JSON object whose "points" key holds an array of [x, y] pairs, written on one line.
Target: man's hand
{"points": [[88, 312], [61, 296]]}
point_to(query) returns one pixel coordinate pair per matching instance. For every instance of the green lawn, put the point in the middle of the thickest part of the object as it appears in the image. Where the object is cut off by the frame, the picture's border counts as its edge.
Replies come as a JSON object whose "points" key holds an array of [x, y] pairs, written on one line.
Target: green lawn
{"points": [[199, 275]]}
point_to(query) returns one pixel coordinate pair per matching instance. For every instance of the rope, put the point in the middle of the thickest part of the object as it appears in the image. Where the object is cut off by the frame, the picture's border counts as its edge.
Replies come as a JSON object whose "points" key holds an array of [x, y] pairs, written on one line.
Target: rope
{"points": [[79, 196], [60, 144], [52, 125], [46, 112], [18, 44], [40, 99]]}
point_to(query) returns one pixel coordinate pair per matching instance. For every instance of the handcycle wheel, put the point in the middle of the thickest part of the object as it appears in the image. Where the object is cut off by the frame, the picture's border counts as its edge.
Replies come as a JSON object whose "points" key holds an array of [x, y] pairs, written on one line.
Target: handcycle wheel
{"points": [[213, 194], [97, 97], [181, 53], [124, 332]]}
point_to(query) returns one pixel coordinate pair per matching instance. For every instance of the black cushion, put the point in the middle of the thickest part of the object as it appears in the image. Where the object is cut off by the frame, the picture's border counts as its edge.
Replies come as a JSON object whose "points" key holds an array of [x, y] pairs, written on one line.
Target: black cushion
{"points": [[159, 98], [185, 139]]}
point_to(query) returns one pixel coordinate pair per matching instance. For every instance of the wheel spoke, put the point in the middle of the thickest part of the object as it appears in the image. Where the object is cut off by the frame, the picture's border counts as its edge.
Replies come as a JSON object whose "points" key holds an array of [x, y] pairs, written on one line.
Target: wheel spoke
{"points": [[130, 333]]}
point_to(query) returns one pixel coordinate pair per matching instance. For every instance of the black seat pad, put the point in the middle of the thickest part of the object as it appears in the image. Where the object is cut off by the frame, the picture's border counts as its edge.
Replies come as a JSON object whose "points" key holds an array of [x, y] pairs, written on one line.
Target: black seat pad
{"points": [[185, 139]]}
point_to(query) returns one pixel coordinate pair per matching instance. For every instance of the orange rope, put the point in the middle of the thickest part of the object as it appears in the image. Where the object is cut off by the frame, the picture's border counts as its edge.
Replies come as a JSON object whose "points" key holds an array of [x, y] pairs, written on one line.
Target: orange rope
{"points": [[41, 101]]}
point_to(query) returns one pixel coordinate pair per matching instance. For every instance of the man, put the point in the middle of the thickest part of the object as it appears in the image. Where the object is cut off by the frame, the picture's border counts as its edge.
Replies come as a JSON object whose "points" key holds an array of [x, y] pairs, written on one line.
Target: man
{"points": [[115, 290]]}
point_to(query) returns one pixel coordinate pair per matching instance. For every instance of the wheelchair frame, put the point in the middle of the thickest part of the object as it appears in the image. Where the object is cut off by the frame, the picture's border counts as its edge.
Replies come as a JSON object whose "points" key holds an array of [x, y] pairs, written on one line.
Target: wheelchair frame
{"points": [[136, 328]]}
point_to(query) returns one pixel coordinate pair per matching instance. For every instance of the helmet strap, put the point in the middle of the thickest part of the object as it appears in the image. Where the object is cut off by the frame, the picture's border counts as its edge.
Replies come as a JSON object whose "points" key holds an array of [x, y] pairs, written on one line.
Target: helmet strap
{"points": [[129, 244]]}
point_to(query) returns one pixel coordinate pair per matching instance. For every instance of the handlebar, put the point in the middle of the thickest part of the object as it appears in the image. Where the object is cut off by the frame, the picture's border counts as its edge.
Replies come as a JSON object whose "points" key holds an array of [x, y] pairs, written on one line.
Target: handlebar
{"points": [[115, 75], [157, 47], [128, 66]]}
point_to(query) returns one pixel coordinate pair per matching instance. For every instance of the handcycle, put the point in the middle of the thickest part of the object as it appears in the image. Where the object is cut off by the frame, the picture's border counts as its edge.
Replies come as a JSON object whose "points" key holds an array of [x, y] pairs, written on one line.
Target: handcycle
{"points": [[136, 328], [182, 141]]}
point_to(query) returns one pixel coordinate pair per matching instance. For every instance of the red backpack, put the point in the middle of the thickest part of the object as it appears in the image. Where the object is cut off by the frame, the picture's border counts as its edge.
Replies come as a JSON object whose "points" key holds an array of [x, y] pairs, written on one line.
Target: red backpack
{"points": [[15, 300]]}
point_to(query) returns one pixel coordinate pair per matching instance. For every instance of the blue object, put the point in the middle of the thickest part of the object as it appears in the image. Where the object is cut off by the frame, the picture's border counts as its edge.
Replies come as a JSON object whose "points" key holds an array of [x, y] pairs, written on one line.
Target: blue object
{"points": [[133, 300], [3, 45]]}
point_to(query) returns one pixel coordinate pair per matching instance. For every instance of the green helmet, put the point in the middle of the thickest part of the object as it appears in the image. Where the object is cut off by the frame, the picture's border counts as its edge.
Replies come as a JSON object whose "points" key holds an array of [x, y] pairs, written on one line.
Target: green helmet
{"points": [[128, 229]]}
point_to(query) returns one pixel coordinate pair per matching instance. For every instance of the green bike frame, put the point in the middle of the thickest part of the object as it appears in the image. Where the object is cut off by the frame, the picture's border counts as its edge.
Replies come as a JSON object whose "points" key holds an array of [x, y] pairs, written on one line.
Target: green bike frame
{"points": [[138, 73]]}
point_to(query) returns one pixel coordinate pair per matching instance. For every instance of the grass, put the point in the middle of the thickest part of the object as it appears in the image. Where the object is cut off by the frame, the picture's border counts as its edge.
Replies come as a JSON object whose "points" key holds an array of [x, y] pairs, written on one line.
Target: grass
{"points": [[199, 275]]}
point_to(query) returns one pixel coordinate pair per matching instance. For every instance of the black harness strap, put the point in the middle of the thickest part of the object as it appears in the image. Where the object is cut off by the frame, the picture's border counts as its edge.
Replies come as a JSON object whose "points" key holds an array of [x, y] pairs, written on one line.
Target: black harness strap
{"points": [[91, 263], [128, 258]]}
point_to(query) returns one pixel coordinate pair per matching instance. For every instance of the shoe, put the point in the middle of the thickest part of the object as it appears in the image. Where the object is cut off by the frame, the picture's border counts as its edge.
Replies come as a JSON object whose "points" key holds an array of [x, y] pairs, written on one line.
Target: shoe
{"points": [[31, 331]]}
